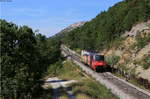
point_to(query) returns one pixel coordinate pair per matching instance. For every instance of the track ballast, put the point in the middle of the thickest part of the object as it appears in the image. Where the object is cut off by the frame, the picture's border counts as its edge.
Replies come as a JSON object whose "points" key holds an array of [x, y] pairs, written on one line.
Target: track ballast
{"points": [[118, 86]]}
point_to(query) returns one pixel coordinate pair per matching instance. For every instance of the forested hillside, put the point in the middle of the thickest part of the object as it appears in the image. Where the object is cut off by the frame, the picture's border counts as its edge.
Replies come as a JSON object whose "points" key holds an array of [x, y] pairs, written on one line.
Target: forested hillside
{"points": [[102, 31], [122, 34], [25, 57]]}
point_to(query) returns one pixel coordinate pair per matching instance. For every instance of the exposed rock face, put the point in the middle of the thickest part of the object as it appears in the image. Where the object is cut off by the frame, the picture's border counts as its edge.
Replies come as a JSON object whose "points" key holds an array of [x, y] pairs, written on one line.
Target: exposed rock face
{"points": [[72, 26], [132, 57], [138, 28], [78, 24], [143, 51]]}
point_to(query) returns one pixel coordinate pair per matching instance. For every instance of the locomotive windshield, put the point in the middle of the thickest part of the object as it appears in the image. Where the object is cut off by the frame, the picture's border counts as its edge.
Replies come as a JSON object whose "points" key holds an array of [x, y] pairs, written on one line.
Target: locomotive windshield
{"points": [[99, 58]]}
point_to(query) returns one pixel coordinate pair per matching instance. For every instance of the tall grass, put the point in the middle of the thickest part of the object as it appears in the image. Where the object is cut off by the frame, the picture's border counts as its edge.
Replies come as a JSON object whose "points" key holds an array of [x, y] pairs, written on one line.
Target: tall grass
{"points": [[85, 86]]}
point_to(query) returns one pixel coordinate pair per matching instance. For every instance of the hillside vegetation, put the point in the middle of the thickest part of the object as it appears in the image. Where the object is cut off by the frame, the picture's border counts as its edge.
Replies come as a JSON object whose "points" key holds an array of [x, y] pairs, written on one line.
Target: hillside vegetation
{"points": [[132, 53], [85, 87], [26, 56], [106, 27], [121, 34]]}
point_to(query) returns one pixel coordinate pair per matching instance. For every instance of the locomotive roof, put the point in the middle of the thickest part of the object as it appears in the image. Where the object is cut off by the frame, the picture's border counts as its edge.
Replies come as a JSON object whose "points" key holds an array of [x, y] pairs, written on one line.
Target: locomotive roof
{"points": [[84, 52]]}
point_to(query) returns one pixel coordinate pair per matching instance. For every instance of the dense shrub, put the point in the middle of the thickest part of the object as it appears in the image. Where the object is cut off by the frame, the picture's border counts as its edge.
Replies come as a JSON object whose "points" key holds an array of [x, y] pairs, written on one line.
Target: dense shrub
{"points": [[24, 58], [143, 38], [112, 59], [146, 62]]}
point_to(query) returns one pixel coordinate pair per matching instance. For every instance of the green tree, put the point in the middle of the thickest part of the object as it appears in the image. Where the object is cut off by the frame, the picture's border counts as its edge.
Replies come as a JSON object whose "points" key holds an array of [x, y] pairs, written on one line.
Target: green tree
{"points": [[24, 59], [108, 25]]}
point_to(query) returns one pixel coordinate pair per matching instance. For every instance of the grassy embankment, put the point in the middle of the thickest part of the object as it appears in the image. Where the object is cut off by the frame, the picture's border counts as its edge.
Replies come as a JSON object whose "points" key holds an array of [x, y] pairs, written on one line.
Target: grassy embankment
{"points": [[85, 88]]}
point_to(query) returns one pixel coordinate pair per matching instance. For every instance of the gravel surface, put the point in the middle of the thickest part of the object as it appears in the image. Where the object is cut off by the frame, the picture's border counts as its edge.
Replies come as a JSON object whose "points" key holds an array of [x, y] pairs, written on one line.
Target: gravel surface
{"points": [[118, 86], [57, 84]]}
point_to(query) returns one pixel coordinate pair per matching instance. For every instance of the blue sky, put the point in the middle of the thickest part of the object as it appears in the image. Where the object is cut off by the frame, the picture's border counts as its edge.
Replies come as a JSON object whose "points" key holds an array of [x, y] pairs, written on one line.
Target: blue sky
{"points": [[51, 16]]}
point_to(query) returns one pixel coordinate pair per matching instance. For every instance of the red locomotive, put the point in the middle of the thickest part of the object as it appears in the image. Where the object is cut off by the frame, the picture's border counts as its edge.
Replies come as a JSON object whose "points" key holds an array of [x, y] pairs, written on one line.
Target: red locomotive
{"points": [[94, 60]]}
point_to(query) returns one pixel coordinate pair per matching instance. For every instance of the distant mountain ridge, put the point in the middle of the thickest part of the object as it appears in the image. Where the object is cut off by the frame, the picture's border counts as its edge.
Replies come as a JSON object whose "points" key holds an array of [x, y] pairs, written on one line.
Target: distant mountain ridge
{"points": [[121, 33], [72, 26]]}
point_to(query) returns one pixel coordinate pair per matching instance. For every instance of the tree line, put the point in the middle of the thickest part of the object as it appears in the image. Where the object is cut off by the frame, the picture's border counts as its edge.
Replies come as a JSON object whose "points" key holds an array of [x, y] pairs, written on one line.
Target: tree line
{"points": [[100, 32], [25, 57]]}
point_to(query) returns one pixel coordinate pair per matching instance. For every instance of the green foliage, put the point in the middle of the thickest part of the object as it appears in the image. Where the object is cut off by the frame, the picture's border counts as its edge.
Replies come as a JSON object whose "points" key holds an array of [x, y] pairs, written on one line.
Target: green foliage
{"points": [[24, 58], [145, 62], [112, 59], [101, 31], [86, 85], [142, 39], [118, 41], [54, 69], [92, 89]]}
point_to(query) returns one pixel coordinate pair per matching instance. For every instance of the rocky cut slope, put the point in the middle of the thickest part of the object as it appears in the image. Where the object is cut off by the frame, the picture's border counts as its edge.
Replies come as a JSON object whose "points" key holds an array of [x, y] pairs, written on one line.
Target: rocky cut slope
{"points": [[132, 51], [122, 34]]}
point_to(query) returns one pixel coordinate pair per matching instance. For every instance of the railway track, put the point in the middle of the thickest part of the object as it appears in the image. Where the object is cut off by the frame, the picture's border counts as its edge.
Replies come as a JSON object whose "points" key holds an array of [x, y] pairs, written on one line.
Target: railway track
{"points": [[118, 86]]}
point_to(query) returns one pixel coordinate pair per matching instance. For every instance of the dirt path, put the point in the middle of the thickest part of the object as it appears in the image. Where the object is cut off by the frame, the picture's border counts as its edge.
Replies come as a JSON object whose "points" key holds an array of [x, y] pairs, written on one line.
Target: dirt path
{"points": [[58, 84]]}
